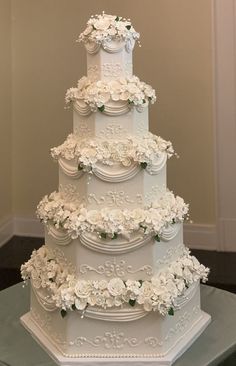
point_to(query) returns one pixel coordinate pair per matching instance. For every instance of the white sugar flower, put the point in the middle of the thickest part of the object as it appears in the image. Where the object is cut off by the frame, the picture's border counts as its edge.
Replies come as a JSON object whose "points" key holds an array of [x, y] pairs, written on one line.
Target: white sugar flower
{"points": [[158, 294], [98, 93], [83, 289], [80, 304], [116, 287]]}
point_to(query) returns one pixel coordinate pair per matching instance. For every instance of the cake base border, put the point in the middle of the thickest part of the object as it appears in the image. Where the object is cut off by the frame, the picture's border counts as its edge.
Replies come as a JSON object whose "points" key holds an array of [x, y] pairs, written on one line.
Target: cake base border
{"points": [[167, 360]]}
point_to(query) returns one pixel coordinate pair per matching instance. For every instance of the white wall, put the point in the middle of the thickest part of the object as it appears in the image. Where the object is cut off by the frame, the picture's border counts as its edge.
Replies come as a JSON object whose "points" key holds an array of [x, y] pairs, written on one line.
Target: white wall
{"points": [[5, 119]]}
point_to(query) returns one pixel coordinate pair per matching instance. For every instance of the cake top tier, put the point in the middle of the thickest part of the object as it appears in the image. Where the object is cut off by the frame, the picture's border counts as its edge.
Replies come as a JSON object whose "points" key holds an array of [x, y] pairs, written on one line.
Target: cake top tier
{"points": [[102, 29]]}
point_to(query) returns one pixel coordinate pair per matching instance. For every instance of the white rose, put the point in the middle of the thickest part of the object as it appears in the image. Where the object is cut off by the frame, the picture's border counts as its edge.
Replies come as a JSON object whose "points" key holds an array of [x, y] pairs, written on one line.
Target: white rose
{"points": [[80, 304], [147, 289], [93, 217], [116, 287], [102, 285], [147, 305], [83, 289]]}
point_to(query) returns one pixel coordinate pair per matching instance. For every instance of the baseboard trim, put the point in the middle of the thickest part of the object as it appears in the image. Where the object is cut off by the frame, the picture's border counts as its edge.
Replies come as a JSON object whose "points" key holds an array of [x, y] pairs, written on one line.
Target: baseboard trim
{"points": [[228, 234], [6, 231], [197, 236]]}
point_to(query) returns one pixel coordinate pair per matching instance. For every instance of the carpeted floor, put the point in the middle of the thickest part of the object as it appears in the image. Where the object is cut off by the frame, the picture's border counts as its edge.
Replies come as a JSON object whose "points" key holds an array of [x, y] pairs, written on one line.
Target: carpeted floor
{"points": [[19, 249]]}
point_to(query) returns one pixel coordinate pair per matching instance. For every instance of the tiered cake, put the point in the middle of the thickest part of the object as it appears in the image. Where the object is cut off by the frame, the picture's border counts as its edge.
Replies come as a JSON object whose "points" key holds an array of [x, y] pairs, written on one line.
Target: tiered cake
{"points": [[114, 279]]}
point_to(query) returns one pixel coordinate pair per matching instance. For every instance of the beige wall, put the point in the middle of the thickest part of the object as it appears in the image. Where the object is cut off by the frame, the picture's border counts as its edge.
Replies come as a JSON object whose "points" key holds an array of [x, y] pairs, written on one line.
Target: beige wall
{"points": [[5, 110], [175, 59]]}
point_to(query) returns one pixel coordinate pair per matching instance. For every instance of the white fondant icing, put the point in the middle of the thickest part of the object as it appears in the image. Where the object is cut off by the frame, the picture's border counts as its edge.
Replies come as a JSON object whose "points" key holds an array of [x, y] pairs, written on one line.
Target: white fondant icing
{"points": [[65, 270]]}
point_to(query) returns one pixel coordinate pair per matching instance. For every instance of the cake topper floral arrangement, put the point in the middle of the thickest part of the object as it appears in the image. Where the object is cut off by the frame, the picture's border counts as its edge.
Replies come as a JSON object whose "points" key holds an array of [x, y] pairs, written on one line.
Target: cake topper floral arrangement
{"points": [[104, 27]]}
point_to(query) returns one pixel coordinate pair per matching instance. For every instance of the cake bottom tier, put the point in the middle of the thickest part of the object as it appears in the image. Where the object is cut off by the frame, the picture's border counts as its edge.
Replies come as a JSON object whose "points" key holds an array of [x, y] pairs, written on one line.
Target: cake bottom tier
{"points": [[118, 336]]}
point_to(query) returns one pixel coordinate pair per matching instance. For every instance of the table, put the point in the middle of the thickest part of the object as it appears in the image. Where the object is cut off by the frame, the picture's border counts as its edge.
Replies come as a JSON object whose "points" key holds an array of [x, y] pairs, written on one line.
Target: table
{"points": [[216, 346]]}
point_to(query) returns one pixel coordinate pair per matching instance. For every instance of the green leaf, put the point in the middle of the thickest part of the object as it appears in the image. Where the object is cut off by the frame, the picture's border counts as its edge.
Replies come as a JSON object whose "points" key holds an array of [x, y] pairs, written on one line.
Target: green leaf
{"points": [[144, 101], [93, 27], [173, 221], [102, 108], [115, 235], [128, 27], [157, 238], [117, 19], [141, 282], [130, 101], [73, 307], [143, 165], [103, 235], [171, 311], [132, 302], [143, 227], [63, 313]]}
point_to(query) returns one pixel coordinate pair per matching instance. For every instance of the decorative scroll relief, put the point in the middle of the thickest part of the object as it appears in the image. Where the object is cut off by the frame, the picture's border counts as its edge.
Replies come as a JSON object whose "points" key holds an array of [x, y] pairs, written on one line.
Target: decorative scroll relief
{"points": [[115, 268], [109, 340], [71, 193], [113, 130], [170, 254], [91, 242], [82, 130], [93, 72], [182, 324], [115, 70], [120, 198], [115, 198]]}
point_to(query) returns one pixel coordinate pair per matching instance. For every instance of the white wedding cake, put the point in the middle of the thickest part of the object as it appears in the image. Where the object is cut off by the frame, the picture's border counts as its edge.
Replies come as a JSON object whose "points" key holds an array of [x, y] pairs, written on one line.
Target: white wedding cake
{"points": [[114, 279]]}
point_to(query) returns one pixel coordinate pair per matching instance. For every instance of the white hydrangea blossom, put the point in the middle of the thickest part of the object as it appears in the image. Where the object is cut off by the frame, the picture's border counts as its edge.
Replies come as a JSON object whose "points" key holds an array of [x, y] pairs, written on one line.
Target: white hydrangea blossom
{"points": [[157, 294], [89, 152], [98, 93], [45, 270], [74, 218], [106, 27]]}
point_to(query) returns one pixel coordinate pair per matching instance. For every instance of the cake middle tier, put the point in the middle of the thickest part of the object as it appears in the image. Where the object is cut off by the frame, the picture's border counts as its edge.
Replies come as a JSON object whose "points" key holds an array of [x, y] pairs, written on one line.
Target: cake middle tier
{"points": [[136, 258], [112, 186]]}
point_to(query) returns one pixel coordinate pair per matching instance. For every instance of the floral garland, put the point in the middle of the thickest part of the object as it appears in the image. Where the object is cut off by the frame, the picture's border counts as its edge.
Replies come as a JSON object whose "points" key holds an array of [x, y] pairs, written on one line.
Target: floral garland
{"points": [[75, 219], [97, 93], [141, 149], [104, 27], [70, 293]]}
